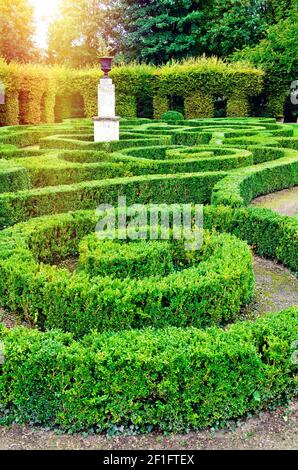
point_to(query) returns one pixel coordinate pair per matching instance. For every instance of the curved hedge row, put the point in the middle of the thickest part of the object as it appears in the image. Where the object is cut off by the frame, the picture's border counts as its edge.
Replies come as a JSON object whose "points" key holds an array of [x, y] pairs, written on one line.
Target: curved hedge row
{"points": [[13, 178], [186, 187], [52, 169], [208, 288], [205, 165], [272, 235]]}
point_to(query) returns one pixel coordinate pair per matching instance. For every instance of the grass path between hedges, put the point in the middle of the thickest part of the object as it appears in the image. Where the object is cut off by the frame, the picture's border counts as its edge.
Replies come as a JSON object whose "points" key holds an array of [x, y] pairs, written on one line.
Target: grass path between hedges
{"points": [[268, 430]]}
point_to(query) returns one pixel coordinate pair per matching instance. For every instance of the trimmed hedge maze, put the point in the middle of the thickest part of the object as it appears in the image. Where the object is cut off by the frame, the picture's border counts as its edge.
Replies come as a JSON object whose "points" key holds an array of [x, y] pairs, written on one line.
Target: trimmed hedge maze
{"points": [[134, 333]]}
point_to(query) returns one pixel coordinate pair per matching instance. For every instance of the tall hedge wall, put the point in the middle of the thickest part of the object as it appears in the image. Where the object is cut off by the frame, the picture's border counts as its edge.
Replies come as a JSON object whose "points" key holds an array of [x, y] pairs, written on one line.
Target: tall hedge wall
{"points": [[30, 93], [173, 379], [36, 94]]}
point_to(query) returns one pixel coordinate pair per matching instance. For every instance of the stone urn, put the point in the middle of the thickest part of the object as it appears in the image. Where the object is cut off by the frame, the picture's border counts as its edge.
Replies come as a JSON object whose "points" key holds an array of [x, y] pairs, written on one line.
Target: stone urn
{"points": [[106, 65]]}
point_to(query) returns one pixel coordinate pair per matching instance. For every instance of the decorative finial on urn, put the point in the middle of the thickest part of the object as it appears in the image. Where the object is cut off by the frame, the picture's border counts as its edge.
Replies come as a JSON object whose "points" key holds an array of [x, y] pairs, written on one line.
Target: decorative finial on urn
{"points": [[106, 65]]}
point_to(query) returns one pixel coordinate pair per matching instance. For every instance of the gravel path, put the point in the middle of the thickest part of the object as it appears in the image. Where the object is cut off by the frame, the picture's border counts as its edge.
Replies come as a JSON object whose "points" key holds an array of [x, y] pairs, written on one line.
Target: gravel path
{"points": [[284, 202], [268, 430]]}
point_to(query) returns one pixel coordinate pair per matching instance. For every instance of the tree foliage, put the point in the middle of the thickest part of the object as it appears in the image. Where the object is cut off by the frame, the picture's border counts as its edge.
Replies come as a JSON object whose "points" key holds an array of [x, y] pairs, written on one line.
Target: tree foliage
{"points": [[76, 37], [278, 52], [277, 10], [156, 31], [160, 30], [17, 28]]}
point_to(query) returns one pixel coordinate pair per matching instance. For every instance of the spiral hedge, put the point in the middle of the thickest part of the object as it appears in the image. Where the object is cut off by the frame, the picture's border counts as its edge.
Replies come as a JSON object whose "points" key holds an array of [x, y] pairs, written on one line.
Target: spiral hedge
{"points": [[134, 333], [209, 288]]}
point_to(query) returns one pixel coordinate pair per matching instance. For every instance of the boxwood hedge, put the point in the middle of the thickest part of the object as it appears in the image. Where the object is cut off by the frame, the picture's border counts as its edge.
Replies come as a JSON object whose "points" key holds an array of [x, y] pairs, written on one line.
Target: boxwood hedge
{"points": [[241, 186], [39, 94], [172, 379]]}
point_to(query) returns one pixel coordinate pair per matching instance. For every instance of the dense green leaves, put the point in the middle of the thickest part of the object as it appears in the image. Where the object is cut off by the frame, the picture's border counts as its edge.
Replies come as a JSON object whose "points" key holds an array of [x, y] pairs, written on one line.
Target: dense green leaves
{"points": [[272, 235], [42, 94], [77, 37], [243, 185], [171, 379], [167, 374], [17, 28], [157, 31], [172, 117], [117, 285]]}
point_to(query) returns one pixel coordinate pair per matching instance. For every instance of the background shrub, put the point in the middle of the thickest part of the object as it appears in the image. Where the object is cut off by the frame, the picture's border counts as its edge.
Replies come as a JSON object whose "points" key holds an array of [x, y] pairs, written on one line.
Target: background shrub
{"points": [[172, 117]]}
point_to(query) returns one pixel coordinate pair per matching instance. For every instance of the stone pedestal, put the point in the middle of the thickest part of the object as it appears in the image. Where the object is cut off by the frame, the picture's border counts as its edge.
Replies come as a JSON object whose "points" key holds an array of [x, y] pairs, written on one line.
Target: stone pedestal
{"points": [[106, 129], [106, 124]]}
